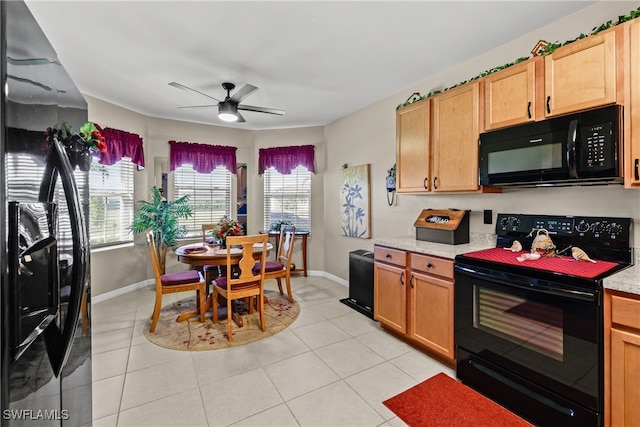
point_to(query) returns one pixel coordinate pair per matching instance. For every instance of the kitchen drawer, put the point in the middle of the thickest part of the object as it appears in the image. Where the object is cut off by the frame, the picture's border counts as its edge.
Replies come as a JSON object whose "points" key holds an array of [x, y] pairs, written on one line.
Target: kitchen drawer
{"points": [[625, 311], [432, 265], [392, 256]]}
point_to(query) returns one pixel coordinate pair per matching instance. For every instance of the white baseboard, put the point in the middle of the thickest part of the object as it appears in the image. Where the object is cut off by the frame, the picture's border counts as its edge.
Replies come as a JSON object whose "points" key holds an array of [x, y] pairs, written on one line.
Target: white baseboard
{"points": [[151, 282], [122, 291]]}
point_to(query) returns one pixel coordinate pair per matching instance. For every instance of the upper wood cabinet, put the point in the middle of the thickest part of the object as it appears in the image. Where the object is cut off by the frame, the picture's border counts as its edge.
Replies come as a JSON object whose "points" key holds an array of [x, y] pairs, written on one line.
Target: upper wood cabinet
{"points": [[584, 74], [514, 95], [632, 105], [455, 133], [413, 148]]}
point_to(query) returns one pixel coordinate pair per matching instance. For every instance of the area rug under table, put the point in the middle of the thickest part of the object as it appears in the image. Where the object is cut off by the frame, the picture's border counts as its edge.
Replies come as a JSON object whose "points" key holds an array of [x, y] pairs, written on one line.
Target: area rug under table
{"points": [[442, 401], [196, 336]]}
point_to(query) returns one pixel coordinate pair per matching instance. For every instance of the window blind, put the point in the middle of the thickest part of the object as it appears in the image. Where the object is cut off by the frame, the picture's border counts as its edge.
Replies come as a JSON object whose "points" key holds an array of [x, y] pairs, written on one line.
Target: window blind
{"points": [[288, 198], [209, 196], [111, 202]]}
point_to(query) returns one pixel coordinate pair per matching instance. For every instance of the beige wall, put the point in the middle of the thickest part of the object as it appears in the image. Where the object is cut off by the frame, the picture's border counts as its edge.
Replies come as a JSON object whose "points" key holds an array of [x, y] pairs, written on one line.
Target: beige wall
{"points": [[367, 136]]}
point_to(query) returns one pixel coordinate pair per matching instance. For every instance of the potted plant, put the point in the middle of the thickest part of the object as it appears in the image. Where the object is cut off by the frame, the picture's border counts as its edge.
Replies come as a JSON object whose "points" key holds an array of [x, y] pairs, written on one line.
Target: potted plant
{"points": [[161, 217]]}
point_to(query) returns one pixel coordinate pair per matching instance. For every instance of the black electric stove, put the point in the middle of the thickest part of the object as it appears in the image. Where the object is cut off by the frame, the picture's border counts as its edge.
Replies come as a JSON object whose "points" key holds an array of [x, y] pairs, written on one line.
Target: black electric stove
{"points": [[529, 332]]}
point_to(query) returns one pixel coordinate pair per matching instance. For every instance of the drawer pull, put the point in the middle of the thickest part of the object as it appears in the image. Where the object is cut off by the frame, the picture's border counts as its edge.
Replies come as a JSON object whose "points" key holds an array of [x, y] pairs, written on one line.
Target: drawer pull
{"points": [[429, 265], [388, 256]]}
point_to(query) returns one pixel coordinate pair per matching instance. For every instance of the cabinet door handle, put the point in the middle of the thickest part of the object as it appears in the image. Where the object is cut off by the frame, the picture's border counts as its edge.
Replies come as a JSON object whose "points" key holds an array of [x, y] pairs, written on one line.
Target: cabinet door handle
{"points": [[435, 187], [424, 184], [402, 278], [548, 105], [635, 169], [529, 109], [411, 281]]}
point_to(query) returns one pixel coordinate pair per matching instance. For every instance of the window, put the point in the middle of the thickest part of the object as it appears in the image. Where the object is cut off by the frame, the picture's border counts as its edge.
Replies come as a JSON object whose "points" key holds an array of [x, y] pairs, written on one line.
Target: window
{"points": [[110, 202], [209, 195], [288, 198]]}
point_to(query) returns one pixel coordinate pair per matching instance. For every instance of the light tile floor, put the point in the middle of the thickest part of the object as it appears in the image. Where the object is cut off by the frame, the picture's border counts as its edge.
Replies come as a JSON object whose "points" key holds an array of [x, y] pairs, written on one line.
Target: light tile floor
{"points": [[331, 367]]}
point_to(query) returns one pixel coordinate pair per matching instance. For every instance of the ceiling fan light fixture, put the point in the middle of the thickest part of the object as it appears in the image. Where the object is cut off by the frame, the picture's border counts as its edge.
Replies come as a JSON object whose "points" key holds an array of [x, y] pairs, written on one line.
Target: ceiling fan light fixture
{"points": [[227, 112]]}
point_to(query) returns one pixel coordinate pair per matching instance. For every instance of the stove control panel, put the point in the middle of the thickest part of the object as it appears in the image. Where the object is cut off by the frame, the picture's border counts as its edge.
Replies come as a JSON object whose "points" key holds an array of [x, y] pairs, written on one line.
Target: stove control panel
{"points": [[586, 228]]}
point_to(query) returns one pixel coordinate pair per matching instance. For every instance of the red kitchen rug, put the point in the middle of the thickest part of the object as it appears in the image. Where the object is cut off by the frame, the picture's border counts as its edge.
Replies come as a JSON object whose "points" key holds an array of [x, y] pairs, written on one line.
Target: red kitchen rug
{"points": [[442, 401]]}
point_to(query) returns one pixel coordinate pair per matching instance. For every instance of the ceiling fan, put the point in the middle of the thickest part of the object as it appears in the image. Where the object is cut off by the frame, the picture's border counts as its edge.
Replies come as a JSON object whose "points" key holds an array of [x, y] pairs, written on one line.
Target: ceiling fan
{"points": [[228, 109]]}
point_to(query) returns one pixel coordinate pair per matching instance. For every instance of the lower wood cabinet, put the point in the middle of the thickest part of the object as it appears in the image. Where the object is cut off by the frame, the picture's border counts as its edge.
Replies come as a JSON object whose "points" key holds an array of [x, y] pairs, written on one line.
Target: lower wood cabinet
{"points": [[413, 298], [622, 359]]}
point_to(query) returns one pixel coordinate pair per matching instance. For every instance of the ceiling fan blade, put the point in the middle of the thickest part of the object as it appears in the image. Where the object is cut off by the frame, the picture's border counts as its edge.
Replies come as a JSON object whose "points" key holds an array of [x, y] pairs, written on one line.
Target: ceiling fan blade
{"points": [[183, 87], [240, 118], [261, 109], [243, 92], [200, 106]]}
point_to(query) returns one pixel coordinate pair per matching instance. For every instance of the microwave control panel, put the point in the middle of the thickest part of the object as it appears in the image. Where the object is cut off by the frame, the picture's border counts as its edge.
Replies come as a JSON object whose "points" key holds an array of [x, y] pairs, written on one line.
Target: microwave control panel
{"points": [[597, 147]]}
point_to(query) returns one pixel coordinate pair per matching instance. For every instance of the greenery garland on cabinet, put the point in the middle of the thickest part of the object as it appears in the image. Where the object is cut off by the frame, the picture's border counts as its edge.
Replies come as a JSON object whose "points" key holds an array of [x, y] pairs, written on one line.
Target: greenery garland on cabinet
{"points": [[545, 50]]}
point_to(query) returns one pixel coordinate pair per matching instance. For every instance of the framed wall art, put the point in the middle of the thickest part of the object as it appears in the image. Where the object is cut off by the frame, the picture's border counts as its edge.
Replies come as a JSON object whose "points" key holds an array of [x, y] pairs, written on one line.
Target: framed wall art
{"points": [[355, 209]]}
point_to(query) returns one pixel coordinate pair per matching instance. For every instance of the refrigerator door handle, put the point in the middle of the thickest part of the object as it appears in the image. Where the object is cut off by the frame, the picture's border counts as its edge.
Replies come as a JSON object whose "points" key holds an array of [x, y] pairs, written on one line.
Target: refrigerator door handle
{"points": [[59, 342]]}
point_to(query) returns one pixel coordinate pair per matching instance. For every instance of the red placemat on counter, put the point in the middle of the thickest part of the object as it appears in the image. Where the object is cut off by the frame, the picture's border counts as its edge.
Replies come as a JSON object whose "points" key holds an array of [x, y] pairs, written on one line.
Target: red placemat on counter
{"points": [[558, 264]]}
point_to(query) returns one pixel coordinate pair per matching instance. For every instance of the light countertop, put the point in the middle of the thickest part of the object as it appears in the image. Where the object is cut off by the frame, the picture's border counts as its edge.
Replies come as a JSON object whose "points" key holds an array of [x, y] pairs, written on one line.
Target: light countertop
{"points": [[627, 280]]}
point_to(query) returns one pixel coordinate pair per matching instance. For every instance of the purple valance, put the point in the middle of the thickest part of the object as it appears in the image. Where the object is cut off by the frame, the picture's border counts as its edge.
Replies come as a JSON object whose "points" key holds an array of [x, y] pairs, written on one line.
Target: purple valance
{"points": [[203, 157], [286, 159], [121, 144]]}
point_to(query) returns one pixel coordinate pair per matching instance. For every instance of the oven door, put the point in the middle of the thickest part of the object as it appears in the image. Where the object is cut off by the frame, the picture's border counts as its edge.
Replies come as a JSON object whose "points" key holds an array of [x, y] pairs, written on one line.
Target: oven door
{"points": [[532, 345]]}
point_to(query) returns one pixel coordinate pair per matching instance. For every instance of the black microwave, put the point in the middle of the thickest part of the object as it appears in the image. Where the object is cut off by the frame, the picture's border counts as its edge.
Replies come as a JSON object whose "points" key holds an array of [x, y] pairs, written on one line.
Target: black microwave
{"points": [[578, 149]]}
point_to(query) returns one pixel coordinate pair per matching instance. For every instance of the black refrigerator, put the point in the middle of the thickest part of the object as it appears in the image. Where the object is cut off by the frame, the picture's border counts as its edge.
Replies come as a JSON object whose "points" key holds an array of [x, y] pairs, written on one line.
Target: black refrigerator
{"points": [[45, 301]]}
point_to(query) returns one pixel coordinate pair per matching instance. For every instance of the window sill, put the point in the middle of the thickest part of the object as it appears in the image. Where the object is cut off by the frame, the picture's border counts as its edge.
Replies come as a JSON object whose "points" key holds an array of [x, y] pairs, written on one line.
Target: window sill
{"points": [[112, 247]]}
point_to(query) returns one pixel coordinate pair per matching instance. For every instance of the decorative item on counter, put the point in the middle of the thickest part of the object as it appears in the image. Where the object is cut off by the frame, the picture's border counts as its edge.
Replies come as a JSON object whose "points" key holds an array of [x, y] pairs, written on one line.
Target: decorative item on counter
{"points": [[449, 226], [515, 247], [580, 255], [528, 257], [542, 243]]}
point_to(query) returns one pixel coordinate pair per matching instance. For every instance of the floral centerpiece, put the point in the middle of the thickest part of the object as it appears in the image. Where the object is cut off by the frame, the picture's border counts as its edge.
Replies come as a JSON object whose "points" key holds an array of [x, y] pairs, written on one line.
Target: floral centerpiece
{"points": [[226, 227]]}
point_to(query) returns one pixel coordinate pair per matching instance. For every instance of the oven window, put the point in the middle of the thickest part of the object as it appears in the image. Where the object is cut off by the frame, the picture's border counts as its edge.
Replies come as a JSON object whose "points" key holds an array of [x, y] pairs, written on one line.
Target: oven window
{"points": [[530, 324], [534, 158]]}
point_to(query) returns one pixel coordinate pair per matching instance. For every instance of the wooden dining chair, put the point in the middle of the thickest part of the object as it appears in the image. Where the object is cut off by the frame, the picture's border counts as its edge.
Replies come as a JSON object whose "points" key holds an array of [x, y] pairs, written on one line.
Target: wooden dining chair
{"points": [[248, 283], [281, 267], [181, 281], [210, 271], [207, 233]]}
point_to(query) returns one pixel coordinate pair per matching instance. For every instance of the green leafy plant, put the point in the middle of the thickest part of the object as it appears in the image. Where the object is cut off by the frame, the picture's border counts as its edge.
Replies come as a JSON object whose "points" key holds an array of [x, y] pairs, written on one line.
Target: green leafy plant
{"points": [[161, 217], [275, 226]]}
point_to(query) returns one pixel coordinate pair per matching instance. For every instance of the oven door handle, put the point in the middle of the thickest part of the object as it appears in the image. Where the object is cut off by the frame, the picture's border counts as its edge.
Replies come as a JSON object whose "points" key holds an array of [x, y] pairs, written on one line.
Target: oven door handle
{"points": [[585, 295]]}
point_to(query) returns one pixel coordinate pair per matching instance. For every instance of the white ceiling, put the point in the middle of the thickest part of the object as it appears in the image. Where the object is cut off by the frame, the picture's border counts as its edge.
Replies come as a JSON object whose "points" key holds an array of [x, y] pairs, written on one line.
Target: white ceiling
{"points": [[317, 60]]}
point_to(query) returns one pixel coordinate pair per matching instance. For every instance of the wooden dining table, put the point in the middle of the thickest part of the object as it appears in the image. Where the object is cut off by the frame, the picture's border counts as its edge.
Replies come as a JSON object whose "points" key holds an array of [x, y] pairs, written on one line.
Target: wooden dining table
{"points": [[199, 255]]}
